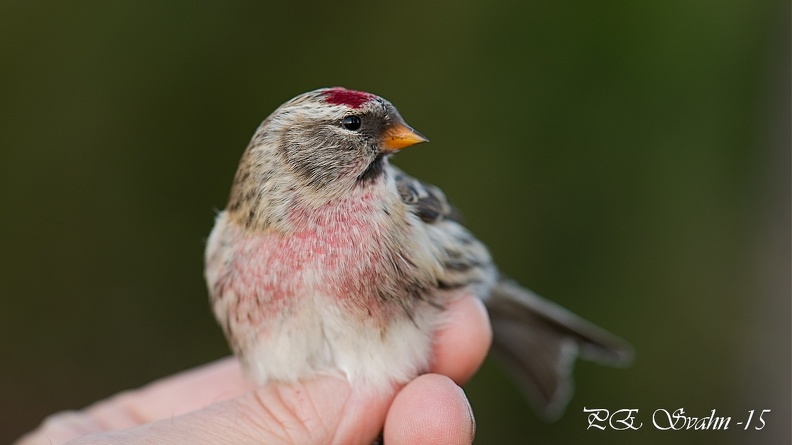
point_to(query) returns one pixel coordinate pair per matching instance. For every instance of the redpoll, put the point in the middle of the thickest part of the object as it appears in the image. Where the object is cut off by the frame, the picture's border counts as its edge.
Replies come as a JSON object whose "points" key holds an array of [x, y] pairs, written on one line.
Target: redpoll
{"points": [[328, 259]]}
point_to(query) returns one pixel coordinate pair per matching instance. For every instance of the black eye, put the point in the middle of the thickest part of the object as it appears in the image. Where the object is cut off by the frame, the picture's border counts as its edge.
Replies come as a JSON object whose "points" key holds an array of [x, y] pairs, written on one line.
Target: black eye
{"points": [[351, 123]]}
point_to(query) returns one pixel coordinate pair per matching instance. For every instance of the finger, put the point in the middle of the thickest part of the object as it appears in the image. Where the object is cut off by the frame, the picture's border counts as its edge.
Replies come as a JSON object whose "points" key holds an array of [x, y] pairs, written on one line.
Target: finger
{"points": [[183, 392], [162, 399], [431, 409], [462, 343], [323, 411]]}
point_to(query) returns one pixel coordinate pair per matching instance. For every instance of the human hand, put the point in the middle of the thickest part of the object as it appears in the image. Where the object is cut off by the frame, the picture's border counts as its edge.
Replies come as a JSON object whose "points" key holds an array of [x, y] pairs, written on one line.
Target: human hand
{"points": [[213, 404]]}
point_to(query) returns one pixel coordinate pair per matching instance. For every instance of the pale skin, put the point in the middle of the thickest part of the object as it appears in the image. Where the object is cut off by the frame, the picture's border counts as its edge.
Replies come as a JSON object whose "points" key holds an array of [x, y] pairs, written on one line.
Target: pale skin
{"points": [[214, 404]]}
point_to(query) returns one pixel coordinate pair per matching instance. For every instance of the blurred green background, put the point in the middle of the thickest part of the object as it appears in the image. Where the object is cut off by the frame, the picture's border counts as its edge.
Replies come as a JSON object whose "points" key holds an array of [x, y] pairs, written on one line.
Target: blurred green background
{"points": [[628, 159]]}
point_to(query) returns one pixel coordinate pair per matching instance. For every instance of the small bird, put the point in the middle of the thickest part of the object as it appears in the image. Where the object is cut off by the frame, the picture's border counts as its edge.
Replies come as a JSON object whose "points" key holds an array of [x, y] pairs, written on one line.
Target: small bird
{"points": [[328, 259]]}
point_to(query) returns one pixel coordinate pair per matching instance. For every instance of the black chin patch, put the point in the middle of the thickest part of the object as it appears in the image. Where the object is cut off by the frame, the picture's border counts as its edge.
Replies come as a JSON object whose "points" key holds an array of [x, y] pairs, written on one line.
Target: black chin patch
{"points": [[373, 171]]}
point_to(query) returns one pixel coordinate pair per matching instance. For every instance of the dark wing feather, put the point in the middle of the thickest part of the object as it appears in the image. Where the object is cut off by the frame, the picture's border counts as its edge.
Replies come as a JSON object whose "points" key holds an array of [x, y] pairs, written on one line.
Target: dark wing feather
{"points": [[425, 200], [539, 340], [536, 339]]}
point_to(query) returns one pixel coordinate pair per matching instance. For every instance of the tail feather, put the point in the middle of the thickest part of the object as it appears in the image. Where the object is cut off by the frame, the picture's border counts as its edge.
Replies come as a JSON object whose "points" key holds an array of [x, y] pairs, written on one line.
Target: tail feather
{"points": [[538, 342]]}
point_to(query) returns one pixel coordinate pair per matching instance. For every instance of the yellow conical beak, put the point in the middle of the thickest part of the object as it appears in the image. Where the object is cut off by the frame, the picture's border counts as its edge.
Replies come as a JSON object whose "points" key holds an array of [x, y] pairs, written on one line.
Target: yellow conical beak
{"points": [[398, 136]]}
